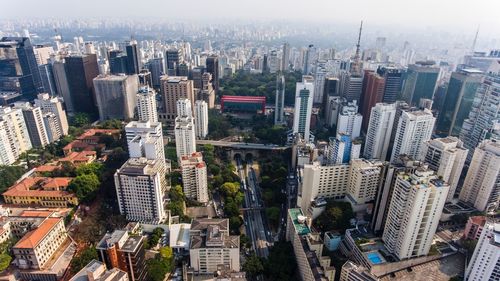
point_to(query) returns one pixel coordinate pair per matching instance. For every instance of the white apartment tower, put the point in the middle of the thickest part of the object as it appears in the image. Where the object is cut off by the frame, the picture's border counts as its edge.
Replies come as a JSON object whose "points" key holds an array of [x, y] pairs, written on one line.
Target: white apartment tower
{"points": [[33, 118], [201, 122], [364, 178], [55, 106], [414, 211], [446, 156], [145, 131], [303, 107], [16, 131], [481, 186], [146, 105], [485, 261], [379, 131], [185, 137], [194, 177], [6, 153], [349, 120], [139, 190], [184, 108], [414, 129]]}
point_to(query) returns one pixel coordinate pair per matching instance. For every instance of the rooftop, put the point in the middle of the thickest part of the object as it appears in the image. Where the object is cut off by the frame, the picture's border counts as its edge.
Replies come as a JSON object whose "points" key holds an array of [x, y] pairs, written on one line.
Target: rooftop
{"points": [[297, 216], [40, 187], [33, 238]]}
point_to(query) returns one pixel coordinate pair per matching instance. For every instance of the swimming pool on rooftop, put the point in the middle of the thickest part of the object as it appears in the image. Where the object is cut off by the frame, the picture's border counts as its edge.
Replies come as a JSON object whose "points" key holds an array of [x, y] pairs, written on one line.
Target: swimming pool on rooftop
{"points": [[375, 257]]}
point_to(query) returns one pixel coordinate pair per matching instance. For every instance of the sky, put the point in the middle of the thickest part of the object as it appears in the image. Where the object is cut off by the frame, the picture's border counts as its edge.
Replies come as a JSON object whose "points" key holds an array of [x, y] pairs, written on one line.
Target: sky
{"points": [[451, 15]]}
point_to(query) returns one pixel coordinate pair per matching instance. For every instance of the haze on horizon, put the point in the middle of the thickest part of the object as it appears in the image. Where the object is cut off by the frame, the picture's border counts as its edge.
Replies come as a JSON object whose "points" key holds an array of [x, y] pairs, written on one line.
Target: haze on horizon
{"points": [[448, 15]]}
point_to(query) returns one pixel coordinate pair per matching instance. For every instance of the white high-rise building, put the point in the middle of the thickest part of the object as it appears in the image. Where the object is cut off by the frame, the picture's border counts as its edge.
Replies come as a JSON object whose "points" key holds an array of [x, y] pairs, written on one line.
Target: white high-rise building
{"points": [[16, 131], [414, 211], [303, 107], [185, 137], [322, 181], [54, 105], [6, 153], [364, 178], [279, 114], [194, 177], [481, 187], [414, 129], [446, 156], [319, 83], [485, 261], [52, 126], [145, 131], [201, 122], [33, 118], [184, 108], [349, 120], [146, 104], [379, 131], [139, 190]]}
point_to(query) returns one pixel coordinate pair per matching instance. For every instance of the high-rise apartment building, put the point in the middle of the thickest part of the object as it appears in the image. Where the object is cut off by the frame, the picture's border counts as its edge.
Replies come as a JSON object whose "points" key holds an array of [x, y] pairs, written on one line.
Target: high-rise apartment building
{"points": [[353, 272], [194, 177], [319, 82], [285, 57], [212, 64], [151, 133], [484, 114], [414, 211], [174, 88], [139, 190], [481, 187], [414, 129], [16, 131], [351, 86], [393, 81], [80, 71], [446, 156], [373, 93], [201, 119], [52, 126], [133, 62], [126, 252], [207, 92], [33, 117], [279, 114], [485, 261], [458, 100], [18, 67], [342, 149], [53, 105], [421, 82], [349, 120], [379, 131], [303, 107], [364, 179], [7, 156], [146, 105], [116, 96], [184, 108], [185, 136]]}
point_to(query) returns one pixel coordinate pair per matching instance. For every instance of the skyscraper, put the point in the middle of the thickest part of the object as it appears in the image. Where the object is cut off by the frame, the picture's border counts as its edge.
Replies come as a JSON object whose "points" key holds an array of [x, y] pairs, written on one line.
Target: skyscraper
{"points": [[393, 81], [185, 137], [351, 86], [146, 104], [414, 211], [116, 96], [414, 129], [331, 94], [458, 101], [16, 131], [379, 131], [172, 60], [483, 115], [364, 178], [157, 68], [319, 82], [62, 86], [373, 93], [33, 118], [18, 67], [47, 78], [481, 187], [145, 131], [212, 64], [309, 59], [421, 82], [194, 177], [139, 190], [342, 149], [279, 114], [133, 63], [80, 71], [201, 119], [485, 261], [285, 57], [349, 120], [174, 88], [118, 62], [55, 106], [207, 92], [303, 107], [446, 156]]}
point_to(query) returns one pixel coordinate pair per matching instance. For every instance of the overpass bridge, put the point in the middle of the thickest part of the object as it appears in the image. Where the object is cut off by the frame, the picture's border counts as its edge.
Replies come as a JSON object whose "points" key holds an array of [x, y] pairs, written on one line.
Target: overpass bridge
{"points": [[242, 145]]}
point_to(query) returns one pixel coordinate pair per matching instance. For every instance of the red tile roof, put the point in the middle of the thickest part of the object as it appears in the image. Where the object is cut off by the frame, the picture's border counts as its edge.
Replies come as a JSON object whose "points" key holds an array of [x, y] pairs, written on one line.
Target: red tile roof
{"points": [[31, 239]]}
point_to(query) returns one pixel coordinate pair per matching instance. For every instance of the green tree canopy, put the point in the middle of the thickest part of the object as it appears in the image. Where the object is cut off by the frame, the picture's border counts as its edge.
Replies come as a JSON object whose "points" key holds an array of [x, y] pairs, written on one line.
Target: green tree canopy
{"points": [[9, 175], [82, 259], [253, 266], [231, 188], [84, 186], [5, 260], [337, 216], [91, 168]]}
